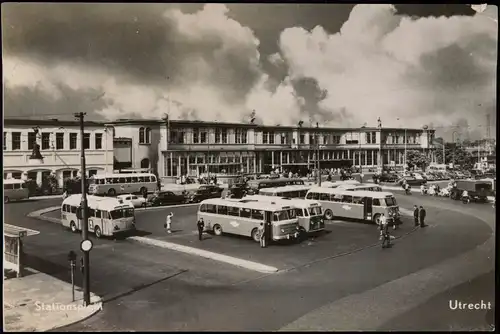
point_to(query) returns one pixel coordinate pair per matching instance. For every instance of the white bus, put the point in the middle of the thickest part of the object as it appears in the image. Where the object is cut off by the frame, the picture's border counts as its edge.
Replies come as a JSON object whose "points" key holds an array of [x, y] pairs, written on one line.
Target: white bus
{"points": [[14, 189], [335, 184], [359, 187], [243, 217], [128, 183], [293, 191], [106, 216], [362, 205], [308, 212]]}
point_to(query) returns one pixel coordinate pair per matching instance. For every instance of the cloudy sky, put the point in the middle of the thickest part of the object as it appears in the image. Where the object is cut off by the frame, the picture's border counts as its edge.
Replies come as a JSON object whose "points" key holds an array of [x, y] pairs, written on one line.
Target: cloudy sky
{"points": [[340, 65]]}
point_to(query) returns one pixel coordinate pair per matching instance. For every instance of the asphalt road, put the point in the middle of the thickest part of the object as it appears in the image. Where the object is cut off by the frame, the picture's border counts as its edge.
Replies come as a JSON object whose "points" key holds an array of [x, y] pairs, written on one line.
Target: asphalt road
{"points": [[136, 279]]}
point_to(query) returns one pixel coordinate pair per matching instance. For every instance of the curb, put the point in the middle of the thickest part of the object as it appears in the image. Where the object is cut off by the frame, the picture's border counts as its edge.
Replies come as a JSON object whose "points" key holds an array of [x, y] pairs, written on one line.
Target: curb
{"points": [[207, 254], [98, 304]]}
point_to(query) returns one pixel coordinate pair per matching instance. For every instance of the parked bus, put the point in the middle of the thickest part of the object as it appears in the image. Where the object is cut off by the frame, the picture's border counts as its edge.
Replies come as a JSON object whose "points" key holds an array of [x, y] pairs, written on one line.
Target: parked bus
{"points": [[106, 216], [243, 217], [335, 184], [255, 185], [14, 189], [308, 212], [128, 183], [359, 187], [362, 205], [295, 191]]}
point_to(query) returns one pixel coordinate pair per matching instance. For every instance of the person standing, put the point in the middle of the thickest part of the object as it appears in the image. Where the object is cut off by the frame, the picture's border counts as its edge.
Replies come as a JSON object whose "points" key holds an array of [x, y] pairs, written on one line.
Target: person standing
{"points": [[262, 234], [384, 232], [201, 226], [168, 223], [415, 214], [421, 216]]}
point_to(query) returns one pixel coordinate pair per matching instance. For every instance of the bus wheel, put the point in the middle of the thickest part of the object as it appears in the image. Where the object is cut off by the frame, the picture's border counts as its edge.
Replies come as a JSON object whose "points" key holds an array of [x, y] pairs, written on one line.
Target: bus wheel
{"points": [[6, 199], [143, 191], [97, 232], [112, 192], [217, 230], [255, 235], [72, 226], [328, 214], [376, 219]]}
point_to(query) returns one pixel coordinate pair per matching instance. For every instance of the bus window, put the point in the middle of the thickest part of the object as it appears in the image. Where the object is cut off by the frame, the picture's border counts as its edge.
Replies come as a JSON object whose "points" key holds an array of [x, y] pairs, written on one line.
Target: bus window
{"points": [[128, 179], [336, 198], [376, 202], [390, 201], [315, 211], [245, 213], [209, 208], [280, 194], [147, 179], [299, 213], [346, 199], [122, 213], [134, 179], [8, 186], [121, 180], [116, 180], [357, 200], [280, 215], [73, 209], [98, 213], [222, 209], [153, 178], [306, 214], [141, 178], [232, 211], [292, 213], [324, 197], [258, 214], [203, 208]]}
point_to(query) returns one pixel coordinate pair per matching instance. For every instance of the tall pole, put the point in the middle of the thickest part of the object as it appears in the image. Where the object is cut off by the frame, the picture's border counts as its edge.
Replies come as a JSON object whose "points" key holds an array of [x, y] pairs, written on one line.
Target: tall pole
{"points": [[84, 211], [444, 157], [106, 149], [317, 155], [406, 140], [359, 147]]}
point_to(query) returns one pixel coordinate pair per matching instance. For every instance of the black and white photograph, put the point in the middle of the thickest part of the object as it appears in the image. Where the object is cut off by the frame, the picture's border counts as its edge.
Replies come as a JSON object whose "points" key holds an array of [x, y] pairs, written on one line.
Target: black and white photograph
{"points": [[249, 166]]}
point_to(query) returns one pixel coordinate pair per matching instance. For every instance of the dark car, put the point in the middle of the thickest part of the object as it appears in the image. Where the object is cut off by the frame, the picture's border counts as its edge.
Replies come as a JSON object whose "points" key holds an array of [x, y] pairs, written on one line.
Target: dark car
{"points": [[166, 198], [205, 192], [388, 177], [412, 181]]}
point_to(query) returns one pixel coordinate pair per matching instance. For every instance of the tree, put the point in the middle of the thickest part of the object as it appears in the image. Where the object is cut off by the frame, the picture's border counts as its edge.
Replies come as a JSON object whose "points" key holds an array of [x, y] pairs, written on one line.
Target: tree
{"points": [[417, 158], [455, 152]]}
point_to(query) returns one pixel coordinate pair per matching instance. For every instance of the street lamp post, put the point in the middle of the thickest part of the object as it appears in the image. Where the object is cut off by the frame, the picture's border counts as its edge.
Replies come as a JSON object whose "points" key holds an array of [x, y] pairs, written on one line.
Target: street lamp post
{"points": [[454, 146], [406, 141], [317, 155]]}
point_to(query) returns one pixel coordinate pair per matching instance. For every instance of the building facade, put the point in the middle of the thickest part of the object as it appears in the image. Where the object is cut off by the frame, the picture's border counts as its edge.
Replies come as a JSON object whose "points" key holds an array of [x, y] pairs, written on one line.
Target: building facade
{"points": [[59, 143]]}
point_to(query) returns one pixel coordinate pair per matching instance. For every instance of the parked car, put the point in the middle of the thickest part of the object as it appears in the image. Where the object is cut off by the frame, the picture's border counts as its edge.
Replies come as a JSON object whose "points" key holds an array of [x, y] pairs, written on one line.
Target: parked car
{"points": [[205, 192], [412, 181], [477, 190], [166, 198], [388, 177], [137, 201]]}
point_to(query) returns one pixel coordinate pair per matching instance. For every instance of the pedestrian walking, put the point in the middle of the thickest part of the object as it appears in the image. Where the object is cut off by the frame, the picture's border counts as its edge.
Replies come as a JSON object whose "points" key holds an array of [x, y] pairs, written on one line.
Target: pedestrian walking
{"points": [[201, 227], [262, 234], [168, 223], [421, 216], [384, 232], [415, 214]]}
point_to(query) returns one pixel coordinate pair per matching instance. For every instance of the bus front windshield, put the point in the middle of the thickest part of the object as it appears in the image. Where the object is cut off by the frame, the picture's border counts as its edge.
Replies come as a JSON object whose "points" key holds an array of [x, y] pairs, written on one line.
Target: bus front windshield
{"points": [[390, 201], [280, 215], [122, 213], [315, 211]]}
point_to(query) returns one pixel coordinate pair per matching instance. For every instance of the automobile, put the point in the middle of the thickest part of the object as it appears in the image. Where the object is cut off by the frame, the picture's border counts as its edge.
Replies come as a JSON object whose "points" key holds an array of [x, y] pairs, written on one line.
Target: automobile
{"points": [[165, 198], [205, 192], [412, 181], [388, 177], [137, 201], [429, 176], [478, 190]]}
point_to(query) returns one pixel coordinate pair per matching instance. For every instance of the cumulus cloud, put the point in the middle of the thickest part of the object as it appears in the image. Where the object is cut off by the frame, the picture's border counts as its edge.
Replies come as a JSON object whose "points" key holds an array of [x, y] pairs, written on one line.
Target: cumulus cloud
{"points": [[202, 63], [384, 65]]}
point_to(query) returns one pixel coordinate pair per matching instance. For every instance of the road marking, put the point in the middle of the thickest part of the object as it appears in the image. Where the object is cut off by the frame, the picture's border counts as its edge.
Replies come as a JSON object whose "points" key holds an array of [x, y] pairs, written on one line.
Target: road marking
{"points": [[208, 255]]}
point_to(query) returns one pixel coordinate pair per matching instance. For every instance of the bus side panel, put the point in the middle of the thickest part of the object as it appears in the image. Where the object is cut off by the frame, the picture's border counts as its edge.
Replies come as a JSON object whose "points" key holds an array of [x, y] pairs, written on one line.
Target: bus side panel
{"points": [[357, 211]]}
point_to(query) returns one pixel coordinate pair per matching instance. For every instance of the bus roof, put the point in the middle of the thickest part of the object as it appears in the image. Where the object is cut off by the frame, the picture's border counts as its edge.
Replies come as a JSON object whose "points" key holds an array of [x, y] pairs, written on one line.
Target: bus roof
{"points": [[294, 187], [357, 186], [97, 202], [296, 202], [362, 193], [246, 203], [104, 176], [334, 184], [12, 181]]}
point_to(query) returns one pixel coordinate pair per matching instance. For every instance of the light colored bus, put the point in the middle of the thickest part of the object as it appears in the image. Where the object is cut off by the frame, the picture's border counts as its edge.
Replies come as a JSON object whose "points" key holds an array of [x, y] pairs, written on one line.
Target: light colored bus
{"points": [[335, 184], [128, 183], [255, 185], [362, 205], [308, 212], [106, 216], [294, 191], [359, 187], [14, 189], [243, 217]]}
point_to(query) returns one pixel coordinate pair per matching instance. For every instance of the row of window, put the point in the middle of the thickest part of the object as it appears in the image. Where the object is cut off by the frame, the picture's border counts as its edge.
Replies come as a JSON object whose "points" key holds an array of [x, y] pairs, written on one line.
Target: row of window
{"points": [[59, 144], [200, 136], [389, 201], [14, 186], [95, 213], [400, 139], [246, 213], [145, 136], [132, 179]]}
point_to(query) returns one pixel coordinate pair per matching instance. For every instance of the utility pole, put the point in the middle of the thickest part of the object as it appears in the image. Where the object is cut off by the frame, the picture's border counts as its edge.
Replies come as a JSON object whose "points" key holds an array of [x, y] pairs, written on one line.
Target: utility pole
{"points": [[444, 158], [84, 212], [406, 140], [317, 155]]}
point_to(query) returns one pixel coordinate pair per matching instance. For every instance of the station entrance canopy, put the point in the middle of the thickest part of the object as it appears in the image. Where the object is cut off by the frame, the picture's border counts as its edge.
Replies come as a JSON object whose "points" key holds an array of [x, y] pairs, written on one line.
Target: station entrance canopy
{"points": [[13, 246]]}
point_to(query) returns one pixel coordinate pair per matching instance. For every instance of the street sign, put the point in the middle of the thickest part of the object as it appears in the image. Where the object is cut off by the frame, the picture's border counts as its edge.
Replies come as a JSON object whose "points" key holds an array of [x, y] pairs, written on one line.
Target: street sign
{"points": [[86, 245]]}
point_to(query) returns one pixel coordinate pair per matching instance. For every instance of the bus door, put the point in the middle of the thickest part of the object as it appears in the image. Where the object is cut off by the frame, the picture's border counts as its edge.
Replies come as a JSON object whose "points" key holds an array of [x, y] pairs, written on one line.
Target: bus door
{"points": [[268, 219], [368, 208], [98, 221]]}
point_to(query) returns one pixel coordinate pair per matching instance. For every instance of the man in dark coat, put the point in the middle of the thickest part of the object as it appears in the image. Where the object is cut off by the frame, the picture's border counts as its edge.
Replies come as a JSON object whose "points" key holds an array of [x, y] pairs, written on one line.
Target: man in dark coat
{"points": [[421, 216], [201, 227], [415, 215]]}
